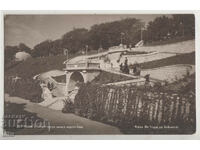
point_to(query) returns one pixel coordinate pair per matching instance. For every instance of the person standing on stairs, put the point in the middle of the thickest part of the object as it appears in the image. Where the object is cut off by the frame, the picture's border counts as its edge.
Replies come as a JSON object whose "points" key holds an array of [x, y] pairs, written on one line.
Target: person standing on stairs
{"points": [[126, 69]]}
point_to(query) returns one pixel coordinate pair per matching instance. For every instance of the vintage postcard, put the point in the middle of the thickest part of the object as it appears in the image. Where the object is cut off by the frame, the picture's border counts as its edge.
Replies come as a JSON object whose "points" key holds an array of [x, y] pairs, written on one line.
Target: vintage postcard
{"points": [[99, 74]]}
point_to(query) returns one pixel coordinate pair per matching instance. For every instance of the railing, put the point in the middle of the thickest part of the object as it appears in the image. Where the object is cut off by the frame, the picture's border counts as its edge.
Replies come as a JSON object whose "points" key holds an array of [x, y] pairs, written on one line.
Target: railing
{"points": [[131, 106], [129, 82], [88, 65]]}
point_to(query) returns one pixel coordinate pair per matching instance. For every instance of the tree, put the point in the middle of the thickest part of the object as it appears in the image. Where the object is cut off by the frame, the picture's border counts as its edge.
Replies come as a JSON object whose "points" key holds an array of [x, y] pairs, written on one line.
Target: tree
{"points": [[159, 28], [179, 25], [75, 40], [42, 49], [10, 52], [23, 47], [184, 24], [108, 34], [56, 47]]}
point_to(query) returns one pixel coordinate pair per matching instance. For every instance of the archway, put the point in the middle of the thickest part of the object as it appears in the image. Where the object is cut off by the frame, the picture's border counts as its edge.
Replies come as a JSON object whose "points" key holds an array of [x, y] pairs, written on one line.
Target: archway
{"points": [[76, 77]]}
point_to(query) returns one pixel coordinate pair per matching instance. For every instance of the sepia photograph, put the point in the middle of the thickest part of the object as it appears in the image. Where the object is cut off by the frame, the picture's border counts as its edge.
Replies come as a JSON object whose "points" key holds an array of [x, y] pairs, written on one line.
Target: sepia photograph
{"points": [[99, 74]]}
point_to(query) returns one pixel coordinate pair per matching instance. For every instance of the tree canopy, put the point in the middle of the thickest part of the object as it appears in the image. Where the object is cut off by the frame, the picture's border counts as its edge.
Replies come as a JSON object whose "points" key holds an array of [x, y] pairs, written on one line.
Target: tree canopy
{"points": [[10, 51], [179, 25], [104, 35]]}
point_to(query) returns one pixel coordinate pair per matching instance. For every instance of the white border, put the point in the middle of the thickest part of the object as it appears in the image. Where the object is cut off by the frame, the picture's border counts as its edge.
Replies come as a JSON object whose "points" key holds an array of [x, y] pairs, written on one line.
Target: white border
{"points": [[197, 44]]}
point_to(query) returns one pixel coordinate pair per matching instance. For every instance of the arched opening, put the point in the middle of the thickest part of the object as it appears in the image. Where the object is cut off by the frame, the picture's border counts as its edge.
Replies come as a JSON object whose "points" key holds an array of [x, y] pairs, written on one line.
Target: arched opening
{"points": [[75, 78]]}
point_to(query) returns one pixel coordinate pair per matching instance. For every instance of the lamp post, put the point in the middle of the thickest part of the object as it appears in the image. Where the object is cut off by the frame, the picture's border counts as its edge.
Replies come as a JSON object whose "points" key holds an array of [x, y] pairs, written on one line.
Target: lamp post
{"points": [[182, 27], [66, 53], [86, 49], [122, 35], [141, 33]]}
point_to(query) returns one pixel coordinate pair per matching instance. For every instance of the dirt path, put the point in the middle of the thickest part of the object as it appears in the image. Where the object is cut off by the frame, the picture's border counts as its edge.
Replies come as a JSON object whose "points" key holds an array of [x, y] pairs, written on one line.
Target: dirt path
{"points": [[73, 124]]}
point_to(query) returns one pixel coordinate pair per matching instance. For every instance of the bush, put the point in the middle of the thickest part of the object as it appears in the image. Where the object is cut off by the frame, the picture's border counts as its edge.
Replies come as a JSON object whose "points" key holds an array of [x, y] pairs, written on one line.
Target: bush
{"points": [[68, 106], [25, 88], [85, 100]]}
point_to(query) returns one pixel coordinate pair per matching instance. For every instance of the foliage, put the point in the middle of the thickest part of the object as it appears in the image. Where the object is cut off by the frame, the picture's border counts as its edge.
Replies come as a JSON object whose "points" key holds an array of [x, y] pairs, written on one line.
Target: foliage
{"points": [[130, 106], [24, 48], [159, 28], [42, 49], [48, 48], [165, 28], [103, 35], [10, 51], [68, 106], [25, 88], [85, 101], [110, 34], [184, 24], [75, 40]]}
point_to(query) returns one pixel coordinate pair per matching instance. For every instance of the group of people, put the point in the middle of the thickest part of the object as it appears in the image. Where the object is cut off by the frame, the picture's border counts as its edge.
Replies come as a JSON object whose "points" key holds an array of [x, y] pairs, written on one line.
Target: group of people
{"points": [[125, 68]]}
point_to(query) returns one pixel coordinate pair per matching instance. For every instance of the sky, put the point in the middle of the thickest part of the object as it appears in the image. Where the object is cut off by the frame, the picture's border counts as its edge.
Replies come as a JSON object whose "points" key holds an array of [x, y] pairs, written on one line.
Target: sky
{"points": [[33, 29]]}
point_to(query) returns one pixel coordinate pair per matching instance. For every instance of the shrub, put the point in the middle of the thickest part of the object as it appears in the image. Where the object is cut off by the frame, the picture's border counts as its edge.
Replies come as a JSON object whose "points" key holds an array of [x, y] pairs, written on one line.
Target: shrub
{"points": [[25, 88], [68, 106], [84, 102]]}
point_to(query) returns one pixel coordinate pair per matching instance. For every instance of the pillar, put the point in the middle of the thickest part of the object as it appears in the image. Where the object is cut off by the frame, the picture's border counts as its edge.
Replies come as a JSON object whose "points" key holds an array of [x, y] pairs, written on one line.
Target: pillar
{"points": [[68, 75], [84, 74]]}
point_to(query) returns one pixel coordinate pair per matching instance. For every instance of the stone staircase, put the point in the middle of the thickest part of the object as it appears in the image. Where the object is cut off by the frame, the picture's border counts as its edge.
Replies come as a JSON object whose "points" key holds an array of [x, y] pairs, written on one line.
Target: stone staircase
{"points": [[57, 103]]}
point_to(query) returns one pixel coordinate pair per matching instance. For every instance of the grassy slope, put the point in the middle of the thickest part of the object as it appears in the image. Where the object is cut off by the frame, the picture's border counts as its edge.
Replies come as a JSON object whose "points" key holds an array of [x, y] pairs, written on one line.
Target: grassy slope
{"points": [[169, 41], [34, 66], [179, 59], [18, 109], [106, 77]]}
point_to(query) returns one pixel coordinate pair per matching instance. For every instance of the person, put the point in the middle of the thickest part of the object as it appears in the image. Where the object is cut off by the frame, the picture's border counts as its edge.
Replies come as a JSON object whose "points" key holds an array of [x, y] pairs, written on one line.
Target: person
{"points": [[130, 46], [147, 77], [126, 69], [126, 61], [134, 68], [138, 70], [121, 67]]}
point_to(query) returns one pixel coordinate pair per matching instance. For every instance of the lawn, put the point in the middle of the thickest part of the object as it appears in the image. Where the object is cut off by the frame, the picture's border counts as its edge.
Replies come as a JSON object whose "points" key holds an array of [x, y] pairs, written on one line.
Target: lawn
{"points": [[34, 66], [169, 41], [60, 79], [106, 77], [188, 58], [18, 121]]}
